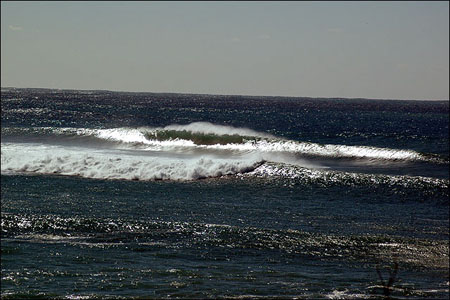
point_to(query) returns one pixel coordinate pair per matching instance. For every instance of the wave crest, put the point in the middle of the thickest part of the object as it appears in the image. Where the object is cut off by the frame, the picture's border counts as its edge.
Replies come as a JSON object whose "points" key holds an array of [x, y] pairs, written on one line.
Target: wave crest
{"points": [[197, 138], [207, 137], [218, 130]]}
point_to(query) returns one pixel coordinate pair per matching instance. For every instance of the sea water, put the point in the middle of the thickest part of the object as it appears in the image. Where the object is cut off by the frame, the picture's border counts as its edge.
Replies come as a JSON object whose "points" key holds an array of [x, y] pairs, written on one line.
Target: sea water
{"points": [[143, 195]]}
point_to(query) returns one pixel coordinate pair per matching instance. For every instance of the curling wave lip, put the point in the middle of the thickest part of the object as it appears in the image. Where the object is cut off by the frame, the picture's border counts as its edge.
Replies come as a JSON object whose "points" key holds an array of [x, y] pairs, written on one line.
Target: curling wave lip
{"points": [[253, 141]]}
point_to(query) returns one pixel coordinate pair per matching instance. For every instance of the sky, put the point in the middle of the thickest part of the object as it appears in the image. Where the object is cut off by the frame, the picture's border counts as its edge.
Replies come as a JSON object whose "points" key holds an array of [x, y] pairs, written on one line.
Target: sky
{"points": [[378, 50]]}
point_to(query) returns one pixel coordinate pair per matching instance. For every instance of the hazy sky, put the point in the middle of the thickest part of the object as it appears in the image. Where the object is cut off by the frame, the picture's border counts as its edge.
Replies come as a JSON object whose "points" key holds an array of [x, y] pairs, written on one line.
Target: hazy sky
{"points": [[389, 50]]}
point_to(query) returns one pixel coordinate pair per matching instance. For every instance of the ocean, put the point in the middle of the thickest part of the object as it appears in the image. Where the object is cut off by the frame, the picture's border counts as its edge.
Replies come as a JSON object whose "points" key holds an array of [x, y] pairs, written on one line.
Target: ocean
{"points": [[112, 195]]}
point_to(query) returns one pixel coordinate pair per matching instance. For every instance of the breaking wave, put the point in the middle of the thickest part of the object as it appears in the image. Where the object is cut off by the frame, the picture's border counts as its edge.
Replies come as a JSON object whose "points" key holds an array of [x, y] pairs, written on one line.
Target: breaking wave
{"points": [[175, 152], [207, 136]]}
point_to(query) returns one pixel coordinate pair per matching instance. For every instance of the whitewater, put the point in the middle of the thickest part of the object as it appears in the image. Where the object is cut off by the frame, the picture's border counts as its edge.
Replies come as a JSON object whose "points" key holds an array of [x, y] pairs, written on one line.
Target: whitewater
{"points": [[185, 152]]}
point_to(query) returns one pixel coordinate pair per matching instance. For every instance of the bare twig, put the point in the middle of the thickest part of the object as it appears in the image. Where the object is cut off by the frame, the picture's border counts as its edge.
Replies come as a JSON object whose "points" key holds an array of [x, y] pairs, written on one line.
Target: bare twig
{"points": [[387, 286]]}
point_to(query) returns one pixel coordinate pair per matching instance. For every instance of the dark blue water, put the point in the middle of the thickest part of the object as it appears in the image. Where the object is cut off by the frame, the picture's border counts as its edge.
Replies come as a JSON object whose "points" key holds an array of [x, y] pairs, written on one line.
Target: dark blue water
{"points": [[140, 195]]}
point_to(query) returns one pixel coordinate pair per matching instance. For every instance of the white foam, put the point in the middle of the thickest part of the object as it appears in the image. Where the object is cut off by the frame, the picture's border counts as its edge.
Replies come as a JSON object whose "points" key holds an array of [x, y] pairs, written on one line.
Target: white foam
{"points": [[125, 135], [134, 136], [265, 146], [117, 164], [336, 294], [322, 150], [268, 143]]}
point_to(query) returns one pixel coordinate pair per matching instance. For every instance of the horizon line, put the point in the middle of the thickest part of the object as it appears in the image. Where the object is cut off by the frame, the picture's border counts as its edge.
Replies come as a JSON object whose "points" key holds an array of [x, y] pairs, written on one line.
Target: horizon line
{"points": [[207, 94]]}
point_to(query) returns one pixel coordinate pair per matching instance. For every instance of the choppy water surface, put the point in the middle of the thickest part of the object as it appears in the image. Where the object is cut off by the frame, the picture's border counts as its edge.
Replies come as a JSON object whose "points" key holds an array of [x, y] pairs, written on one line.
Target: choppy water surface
{"points": [[113, 195]]}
